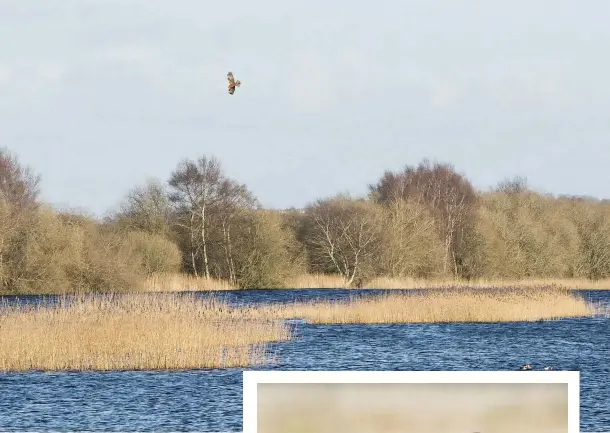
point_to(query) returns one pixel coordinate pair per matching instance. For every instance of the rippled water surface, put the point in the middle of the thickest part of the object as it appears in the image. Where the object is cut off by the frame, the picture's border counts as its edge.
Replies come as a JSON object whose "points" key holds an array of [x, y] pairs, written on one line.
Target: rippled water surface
{"points": [[212, 400]]}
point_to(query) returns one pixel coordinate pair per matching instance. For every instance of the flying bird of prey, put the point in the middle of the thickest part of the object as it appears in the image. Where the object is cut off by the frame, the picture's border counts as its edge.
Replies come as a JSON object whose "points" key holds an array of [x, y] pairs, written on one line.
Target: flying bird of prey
{"points": [[232, 83]]}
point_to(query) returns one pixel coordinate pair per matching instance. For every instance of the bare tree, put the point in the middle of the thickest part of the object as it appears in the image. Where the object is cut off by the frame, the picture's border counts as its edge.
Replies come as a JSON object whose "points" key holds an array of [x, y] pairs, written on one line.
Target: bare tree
{"points": [[10, 223], [449, 196], [146, 208], [343, 235], [593, 226], [208, 202], [194, 189], [411, 246], [234, 199], [516, 185], [19, 185], [265, 248]]}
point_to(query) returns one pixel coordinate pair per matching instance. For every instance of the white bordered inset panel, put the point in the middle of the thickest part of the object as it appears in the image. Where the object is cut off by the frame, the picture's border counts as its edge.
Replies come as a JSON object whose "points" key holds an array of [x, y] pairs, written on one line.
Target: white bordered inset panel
{"points": [[411, 401]]}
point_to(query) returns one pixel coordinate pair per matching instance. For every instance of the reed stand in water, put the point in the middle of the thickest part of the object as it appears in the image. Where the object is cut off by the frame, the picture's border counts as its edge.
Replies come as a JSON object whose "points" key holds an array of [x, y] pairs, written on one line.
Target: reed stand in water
{"points": [[132, 332]]}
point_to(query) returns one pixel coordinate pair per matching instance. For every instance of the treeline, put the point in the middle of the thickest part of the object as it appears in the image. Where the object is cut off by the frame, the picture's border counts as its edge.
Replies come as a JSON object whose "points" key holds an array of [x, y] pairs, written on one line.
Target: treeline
{"points": [[426, 221]]}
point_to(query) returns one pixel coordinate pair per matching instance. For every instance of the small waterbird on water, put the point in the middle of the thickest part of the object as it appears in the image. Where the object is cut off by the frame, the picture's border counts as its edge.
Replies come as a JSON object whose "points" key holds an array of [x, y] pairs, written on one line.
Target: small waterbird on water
{"points": [[529, 367]]}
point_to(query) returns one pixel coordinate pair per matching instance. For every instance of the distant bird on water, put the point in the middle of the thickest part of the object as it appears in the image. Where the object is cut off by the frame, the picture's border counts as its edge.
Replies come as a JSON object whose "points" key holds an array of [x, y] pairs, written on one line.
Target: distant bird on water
{"points": [[529, 367], [232, 83]]}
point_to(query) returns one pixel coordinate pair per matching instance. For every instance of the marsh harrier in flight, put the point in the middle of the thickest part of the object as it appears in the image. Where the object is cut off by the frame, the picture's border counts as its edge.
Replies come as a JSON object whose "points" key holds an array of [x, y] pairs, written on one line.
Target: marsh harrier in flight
{"points": [[232, 83]]}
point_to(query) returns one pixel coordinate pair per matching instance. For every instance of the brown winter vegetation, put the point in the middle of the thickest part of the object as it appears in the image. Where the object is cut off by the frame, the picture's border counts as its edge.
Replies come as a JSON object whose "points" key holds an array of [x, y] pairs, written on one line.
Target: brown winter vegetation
{"points": [[179, 282], [499, 283], [412, 407], [440, 306], [424, 226], [317, 281], [132, 332], [170, 331], [421, 227]]}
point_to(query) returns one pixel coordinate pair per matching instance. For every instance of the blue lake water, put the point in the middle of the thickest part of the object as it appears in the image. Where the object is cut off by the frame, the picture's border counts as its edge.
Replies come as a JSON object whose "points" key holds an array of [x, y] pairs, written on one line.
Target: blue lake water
{"points": [[211, 401]]}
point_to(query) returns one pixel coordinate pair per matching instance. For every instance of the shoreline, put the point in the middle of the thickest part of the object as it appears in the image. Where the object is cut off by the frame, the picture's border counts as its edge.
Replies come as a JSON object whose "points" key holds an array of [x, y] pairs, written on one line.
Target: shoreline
{"points": [[186, 283]]}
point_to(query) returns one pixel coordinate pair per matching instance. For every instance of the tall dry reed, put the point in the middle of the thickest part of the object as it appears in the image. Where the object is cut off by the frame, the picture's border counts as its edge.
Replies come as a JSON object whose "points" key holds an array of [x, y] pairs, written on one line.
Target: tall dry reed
{"points": [[317, 281], [442, 305], [415, 283], [132, 332], [177, 282]]}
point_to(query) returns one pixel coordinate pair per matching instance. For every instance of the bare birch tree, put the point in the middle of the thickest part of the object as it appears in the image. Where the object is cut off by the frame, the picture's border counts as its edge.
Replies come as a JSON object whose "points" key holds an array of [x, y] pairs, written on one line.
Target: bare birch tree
{"points": [[207, 203], [194, 189], [344, 235], [234, 200]]}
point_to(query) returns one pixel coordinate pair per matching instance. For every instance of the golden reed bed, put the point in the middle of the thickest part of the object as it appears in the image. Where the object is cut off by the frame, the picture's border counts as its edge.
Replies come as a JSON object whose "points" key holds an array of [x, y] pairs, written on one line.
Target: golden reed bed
{"points": [[176, 282], [436, 306], [325, 281], [173, 331], [414, 283], [132, 332]]}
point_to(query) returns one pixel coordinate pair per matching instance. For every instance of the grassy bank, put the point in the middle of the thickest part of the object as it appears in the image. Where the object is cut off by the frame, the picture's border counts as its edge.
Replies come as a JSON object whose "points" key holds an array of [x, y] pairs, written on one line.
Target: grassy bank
{"points": [[132, 332], [437, 306]]}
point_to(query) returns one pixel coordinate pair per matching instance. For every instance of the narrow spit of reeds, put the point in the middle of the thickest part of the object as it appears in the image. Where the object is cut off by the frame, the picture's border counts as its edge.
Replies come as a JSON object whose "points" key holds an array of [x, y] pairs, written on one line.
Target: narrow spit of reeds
{"points": [[441, 305], [414, 283], [133, 332], [317, 281], [175, 282]]}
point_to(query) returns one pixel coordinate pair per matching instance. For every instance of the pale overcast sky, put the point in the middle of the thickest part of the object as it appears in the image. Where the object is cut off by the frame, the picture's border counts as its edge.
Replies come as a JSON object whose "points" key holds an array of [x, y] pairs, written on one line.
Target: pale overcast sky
{"points": [[99, 95]]}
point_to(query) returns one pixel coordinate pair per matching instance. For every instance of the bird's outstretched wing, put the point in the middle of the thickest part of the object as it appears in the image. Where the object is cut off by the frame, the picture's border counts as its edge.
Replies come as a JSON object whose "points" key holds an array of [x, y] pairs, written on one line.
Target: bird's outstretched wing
{"points": [[232, 83]]}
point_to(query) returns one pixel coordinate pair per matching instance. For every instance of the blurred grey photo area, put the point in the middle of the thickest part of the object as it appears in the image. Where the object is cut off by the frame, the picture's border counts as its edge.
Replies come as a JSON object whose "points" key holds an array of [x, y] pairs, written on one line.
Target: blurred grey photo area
{"points": [[412, 408]]}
